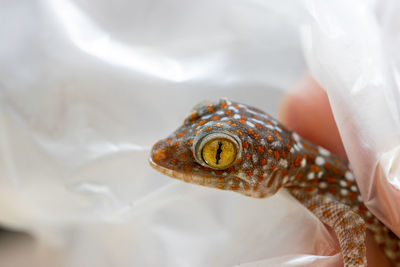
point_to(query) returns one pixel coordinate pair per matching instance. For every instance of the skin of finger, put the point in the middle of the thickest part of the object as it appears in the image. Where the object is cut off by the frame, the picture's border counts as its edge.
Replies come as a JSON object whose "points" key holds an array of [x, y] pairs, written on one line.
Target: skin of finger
{"points": [[307, 111]]}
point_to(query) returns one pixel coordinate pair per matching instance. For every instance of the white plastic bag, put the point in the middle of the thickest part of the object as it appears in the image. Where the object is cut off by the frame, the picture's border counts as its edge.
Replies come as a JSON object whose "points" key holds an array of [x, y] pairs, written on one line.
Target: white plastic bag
{"points": [[88, 86]]}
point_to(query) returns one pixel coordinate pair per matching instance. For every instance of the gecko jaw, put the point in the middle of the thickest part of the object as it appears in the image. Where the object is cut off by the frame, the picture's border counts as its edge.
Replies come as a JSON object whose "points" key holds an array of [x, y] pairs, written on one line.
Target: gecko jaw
{"points": [[186, 177], [207, 181]]}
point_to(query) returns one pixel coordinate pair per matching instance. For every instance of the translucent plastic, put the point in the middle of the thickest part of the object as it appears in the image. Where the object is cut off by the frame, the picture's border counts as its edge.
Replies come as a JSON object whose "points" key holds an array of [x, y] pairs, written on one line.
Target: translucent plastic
{"points": [[353, 54], [88, 86]]}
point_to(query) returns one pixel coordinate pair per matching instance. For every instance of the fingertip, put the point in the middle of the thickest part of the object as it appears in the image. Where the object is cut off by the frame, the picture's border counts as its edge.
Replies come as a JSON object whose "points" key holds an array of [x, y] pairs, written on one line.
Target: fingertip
{"points": [[306, 110]]}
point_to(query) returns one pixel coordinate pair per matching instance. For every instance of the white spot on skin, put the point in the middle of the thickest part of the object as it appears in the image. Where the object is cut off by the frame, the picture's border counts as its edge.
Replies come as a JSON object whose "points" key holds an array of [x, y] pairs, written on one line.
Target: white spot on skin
{"points": [[255, 172], [330, 198], [219, 112], [242, 106], [292, 178], [323, 185], [323, 151], [319, 161], [310, 175], [262, 142], [353, 188], [224, 119], [284, 163], [205, 117], [344, 192], [359, 198], [224, 174], [234, 109], [320, 174], [245, 165], [205, 125], [343, 183], [255, 158], [258, 121], [269, 127], [298, 147], [349, 176], [250, 124], [285, 179], [291, 150], [242, 175], [303, 163], [236, 116], [296, 137], [252, 112]]}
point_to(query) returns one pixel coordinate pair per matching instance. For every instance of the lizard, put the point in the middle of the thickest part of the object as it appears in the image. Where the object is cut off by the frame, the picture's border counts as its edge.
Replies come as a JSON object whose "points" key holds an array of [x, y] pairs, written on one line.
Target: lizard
{"points": [[231, 146]]}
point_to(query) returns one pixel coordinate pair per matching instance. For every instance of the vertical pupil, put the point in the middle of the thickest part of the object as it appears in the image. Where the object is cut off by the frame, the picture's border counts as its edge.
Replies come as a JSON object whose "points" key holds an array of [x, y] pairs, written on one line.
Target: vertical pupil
{"points": [[219, 151]]}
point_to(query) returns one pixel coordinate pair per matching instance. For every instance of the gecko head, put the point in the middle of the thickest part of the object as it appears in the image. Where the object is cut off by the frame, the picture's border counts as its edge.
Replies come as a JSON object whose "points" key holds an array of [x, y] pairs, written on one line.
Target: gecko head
{"points": [[224, 145]]}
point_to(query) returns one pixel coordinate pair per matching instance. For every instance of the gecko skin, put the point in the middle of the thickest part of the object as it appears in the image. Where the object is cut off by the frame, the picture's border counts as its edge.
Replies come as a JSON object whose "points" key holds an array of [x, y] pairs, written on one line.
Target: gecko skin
{"points": [[231, 146]]}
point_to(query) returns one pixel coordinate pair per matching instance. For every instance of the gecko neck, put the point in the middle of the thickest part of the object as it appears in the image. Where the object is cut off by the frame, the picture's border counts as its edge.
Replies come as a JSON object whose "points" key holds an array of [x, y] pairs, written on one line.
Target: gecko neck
{"points": [[315, 170]]}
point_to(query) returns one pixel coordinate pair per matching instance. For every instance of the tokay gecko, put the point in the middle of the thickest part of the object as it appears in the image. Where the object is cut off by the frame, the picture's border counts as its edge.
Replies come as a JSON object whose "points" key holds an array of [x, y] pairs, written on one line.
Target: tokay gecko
{"points": [[231, 146]]}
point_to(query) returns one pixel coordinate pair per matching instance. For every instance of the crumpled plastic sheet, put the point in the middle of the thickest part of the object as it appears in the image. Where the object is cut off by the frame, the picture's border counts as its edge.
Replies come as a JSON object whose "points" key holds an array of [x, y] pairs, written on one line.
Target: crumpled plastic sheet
{"points": [[88, 86], [355, 58]]}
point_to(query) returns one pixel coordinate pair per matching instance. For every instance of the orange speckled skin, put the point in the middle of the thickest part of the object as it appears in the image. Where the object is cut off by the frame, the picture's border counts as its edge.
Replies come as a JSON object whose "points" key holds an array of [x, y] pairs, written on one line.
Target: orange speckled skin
{"points": [[270, 157]]}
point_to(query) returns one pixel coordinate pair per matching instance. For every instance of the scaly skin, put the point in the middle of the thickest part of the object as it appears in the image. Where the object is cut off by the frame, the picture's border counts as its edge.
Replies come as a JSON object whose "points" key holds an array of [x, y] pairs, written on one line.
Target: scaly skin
{"points": [[270, 157]]}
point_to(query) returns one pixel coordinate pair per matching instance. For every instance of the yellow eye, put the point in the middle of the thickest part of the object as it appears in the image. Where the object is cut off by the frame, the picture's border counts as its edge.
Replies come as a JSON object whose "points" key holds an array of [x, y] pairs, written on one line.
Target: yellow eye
{"points": [[217, 150], [219, 153]]}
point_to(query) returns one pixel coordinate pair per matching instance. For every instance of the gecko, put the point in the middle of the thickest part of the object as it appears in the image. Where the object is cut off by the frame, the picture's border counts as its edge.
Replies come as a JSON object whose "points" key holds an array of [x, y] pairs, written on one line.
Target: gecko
{"points": [[231, 146]]}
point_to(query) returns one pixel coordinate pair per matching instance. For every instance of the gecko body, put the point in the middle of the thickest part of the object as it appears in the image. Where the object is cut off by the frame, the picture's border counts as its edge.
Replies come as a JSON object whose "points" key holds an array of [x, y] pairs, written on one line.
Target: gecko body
{"points": [[231, 146]]}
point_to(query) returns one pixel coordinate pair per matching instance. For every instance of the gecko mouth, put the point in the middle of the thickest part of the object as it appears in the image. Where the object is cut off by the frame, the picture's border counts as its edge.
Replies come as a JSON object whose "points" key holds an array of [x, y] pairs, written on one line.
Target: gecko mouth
{"points": [[183, 176]]}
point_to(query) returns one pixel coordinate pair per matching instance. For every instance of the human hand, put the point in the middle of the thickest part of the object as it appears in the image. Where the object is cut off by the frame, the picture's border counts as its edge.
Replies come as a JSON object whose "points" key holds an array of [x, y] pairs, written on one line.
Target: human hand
{"points": [[307, 111]]}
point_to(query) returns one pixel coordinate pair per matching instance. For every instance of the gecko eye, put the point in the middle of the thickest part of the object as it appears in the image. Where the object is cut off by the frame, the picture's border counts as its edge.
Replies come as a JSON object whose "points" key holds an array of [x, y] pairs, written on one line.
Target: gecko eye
{"points": [[217, 151]]}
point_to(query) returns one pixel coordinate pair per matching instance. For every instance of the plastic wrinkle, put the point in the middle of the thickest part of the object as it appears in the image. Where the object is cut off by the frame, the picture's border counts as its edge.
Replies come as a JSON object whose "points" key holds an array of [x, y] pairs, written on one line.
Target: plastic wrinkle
{"points": [[364, 94]]}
